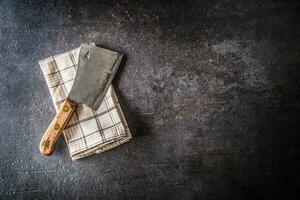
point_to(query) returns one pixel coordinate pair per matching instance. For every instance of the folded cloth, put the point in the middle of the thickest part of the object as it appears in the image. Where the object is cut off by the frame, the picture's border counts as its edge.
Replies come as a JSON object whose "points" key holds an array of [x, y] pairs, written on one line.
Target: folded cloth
{"points": [[88, 132]]}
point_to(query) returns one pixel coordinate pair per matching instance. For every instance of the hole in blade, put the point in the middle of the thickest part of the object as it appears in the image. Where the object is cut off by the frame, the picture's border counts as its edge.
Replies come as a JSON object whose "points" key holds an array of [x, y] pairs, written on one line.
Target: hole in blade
{"points": [[87, 55]]}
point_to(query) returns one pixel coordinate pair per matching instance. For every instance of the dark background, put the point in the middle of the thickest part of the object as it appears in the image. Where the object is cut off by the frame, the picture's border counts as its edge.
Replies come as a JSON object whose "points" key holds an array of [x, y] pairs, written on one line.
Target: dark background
{"points": [[210, 90]]}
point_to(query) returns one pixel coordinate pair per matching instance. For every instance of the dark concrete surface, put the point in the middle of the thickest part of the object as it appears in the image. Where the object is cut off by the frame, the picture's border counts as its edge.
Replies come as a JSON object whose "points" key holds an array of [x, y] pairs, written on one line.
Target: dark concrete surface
{"points": [[210, 90]]}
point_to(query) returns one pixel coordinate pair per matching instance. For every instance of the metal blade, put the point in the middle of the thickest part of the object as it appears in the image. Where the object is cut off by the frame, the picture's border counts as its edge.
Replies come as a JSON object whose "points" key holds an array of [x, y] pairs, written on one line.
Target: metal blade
{"points": [[96, 70]]}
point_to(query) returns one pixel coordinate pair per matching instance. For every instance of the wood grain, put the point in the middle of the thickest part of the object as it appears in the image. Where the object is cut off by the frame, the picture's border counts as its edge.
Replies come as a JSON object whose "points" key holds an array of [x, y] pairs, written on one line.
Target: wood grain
{"points": [[56, 127]]}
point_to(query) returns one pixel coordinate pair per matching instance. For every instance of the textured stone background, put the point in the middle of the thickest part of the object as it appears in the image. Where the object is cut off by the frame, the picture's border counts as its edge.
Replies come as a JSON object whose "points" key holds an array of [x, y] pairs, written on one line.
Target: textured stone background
{"points": [[210, 90]]}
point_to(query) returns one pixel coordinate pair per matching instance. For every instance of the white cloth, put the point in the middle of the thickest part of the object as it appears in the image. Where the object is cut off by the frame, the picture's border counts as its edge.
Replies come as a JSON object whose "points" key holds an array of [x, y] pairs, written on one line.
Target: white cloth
{"points": [[88, 132]]}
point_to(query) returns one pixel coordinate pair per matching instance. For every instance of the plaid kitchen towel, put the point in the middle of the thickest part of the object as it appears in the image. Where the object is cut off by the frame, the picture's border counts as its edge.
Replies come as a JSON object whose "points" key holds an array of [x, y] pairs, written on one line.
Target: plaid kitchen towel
{"points": [[88, 132]]}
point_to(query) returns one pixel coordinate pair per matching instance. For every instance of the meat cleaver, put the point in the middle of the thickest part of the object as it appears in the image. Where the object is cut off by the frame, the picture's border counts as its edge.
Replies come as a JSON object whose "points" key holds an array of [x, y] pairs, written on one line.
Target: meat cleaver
{"points": [[95, 72]]}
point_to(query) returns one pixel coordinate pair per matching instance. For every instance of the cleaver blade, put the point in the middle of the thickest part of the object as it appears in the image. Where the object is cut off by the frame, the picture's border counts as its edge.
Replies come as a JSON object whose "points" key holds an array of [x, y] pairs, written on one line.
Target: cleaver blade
{"points": [[95, 71]]}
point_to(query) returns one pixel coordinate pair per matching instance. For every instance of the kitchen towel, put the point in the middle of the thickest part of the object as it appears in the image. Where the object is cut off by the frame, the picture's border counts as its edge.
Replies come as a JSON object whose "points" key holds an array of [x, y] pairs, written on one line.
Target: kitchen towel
{"points": [[88, 132]]}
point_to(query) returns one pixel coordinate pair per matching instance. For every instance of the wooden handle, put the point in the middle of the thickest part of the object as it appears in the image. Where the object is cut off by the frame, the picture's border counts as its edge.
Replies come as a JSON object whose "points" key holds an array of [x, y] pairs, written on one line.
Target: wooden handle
{"points": [[56, 127]]}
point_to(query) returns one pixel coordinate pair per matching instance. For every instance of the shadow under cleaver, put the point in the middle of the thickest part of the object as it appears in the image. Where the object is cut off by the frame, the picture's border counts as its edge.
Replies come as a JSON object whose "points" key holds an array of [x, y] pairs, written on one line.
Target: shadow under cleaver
{"points": [[137, 125]]}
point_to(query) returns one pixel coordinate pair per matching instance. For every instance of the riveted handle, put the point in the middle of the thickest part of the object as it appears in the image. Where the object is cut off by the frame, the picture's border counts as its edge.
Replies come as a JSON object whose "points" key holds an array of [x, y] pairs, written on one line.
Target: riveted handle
{"points": [[56, 127]]}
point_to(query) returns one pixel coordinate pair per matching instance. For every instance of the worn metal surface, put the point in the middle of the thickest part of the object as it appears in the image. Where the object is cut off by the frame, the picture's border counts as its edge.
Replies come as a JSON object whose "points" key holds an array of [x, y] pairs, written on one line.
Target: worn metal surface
{"points": [[210, 90], [95, 71]]}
